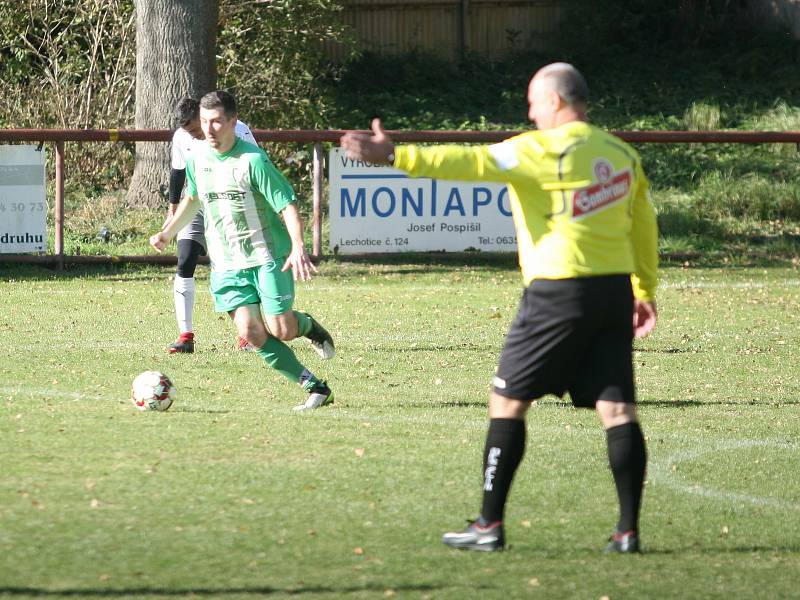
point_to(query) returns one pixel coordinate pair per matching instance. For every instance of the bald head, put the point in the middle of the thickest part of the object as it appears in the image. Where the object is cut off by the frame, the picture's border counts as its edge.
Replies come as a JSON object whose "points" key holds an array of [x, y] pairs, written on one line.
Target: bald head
{"points": [[566, 81], [557, 94]]}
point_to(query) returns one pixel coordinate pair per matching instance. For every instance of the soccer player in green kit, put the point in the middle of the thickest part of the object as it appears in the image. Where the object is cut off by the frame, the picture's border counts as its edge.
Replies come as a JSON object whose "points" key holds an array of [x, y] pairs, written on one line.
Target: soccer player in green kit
{"points": [[255, 244], [587, 241]]}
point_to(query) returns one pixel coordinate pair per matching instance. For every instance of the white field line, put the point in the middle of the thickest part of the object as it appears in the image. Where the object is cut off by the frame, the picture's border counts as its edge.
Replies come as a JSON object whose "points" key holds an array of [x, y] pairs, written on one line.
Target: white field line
{"points": [[722, 285], [26, 390], [661, 472]]}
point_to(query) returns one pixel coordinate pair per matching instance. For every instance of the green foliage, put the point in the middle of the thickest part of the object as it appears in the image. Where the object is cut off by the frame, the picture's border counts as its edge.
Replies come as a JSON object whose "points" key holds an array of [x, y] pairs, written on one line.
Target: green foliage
{"points": [[650, 65], [701, 116], [127, 228], [645, 25], [71, 64], [230, 495], [423, 91], [718, 198], [270, 57]]}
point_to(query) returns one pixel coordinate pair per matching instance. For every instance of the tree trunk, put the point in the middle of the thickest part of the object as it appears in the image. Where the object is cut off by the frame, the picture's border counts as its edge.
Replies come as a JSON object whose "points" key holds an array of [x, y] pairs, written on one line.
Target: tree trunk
{"points": [[176, 42]]}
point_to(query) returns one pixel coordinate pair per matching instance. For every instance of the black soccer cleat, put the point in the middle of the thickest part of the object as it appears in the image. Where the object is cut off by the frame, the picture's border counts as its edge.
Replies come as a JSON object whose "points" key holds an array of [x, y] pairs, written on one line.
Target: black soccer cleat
{"points": [[623, 543], [183, 345], [321, 340], [489, 538]]}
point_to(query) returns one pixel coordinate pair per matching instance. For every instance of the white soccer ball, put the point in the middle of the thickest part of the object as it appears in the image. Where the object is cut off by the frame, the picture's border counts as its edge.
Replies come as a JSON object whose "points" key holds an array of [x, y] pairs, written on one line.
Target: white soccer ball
{"points": [[152, 390]]}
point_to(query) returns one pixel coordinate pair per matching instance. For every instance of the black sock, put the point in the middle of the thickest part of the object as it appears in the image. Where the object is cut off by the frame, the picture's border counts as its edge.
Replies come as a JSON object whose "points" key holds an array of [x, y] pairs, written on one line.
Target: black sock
{"points": [[505, 445], [628, 459]]}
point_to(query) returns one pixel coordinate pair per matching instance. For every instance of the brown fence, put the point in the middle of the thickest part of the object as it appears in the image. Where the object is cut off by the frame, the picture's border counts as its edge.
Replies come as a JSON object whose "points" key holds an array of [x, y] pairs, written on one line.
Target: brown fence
{"points": [[316, 138], [449, 28]]}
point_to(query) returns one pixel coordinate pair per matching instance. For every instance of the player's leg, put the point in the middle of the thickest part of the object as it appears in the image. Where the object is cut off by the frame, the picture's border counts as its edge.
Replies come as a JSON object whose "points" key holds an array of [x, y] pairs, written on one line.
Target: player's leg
{"points": [[296, 323], [607, 384], [502, 453], [183, 291], [627, 457], [322, 341], [250, 325], [191, 245], [530, 366], [276, 291], [284, 327]]}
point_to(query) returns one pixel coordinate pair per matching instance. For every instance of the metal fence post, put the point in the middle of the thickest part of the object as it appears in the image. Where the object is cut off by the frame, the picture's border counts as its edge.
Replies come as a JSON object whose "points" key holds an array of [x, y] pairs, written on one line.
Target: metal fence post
{"points": [[59, 216], [316, 232]]}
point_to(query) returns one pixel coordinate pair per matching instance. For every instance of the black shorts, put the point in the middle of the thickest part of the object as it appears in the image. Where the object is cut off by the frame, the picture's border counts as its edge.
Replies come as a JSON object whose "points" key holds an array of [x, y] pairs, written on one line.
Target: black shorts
{"points": [[571, 335]]}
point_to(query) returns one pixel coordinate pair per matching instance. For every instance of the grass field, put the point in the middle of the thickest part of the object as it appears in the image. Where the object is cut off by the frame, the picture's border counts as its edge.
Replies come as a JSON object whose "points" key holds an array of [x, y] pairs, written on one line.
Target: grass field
{"points": [[232, 495]]}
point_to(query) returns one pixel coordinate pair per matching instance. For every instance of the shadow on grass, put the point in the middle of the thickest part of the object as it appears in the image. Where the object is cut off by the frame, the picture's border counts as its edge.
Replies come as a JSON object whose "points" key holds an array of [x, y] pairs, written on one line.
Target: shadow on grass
{"points": [[431, 261], [137, 592], [453, 404], [208, 411], [667, 350], [401, 264], [415, 347], [103, 272], [701, 550]]}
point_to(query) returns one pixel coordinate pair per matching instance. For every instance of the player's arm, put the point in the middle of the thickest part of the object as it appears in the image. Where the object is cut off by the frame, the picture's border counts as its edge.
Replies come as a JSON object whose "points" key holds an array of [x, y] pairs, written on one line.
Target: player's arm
{"points": [[466, 163], [644, 235], [177, 177], [278, 193], [298, 261], [184, 214]]}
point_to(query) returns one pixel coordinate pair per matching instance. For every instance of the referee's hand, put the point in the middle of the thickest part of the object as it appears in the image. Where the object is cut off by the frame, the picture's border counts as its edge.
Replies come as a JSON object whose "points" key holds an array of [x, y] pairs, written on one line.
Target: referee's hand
{"points": [[644, 317], [375, 146]]}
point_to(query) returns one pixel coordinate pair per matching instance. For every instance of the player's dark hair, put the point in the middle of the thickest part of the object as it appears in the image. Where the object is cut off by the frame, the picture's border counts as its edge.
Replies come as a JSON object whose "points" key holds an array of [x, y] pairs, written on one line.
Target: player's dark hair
{"points": [[186, 111], [219, 99]]}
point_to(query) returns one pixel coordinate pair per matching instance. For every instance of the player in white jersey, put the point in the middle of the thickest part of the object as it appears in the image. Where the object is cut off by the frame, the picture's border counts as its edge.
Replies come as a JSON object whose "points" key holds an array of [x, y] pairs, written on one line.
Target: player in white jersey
{"points": [[191, 239], [254, 236]]}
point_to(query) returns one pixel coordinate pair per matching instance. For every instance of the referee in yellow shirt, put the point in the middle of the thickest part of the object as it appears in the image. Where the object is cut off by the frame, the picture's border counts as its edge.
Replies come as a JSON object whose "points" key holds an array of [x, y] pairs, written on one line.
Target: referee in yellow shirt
{"points": [[587, 241]]}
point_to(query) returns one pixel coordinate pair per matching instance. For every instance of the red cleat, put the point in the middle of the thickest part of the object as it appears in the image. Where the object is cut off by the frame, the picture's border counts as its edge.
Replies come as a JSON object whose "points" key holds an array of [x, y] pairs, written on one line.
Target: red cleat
{"points": [[183, 345]]}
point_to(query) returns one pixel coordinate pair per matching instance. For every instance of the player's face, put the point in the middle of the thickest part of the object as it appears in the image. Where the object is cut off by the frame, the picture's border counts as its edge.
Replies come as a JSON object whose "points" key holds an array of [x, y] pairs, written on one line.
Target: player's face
{"points": [[218, 129], [542, 104], [193, 128]]}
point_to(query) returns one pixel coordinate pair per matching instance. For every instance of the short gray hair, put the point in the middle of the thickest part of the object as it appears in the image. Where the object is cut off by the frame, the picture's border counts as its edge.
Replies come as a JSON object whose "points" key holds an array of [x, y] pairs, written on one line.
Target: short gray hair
{"points": [[566, 81]]}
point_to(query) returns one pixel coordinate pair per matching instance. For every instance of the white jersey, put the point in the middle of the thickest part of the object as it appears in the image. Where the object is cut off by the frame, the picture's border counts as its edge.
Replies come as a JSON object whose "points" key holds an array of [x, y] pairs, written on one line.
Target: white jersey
{"points": [[183, 143]]}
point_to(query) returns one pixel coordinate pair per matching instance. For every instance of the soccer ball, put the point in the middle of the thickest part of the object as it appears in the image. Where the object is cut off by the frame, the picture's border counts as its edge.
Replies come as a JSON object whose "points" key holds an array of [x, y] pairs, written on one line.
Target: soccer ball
{"points": [[152, 390]]}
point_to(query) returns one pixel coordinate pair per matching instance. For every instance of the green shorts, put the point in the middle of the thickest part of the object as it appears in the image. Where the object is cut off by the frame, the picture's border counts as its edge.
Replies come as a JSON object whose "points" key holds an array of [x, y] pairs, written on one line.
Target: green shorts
{"points": [[266, 285]]}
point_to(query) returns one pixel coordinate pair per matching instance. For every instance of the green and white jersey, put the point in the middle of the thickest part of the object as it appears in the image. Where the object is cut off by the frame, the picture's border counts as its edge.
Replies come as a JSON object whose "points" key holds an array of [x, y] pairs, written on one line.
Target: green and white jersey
{"points": [[242, 194]]}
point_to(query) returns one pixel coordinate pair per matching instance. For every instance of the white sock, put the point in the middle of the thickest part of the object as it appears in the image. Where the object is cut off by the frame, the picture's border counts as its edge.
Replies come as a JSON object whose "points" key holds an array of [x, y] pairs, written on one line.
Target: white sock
{"points": [[183, 291]]}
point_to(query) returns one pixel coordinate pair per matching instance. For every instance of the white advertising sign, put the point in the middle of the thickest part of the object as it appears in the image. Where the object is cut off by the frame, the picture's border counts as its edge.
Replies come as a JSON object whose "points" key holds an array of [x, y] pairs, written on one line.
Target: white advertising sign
{"points": [[374, 208], [23, 205]]}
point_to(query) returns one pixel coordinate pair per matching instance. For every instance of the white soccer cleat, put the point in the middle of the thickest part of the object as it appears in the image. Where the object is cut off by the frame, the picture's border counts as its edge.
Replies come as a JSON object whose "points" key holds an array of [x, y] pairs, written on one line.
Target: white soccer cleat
{"points": [[321, 395]]}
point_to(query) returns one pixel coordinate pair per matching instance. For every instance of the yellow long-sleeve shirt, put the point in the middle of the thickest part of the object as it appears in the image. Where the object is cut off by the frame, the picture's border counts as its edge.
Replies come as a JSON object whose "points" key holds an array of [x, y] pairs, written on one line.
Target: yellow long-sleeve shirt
{"points": [[578, 194]]}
